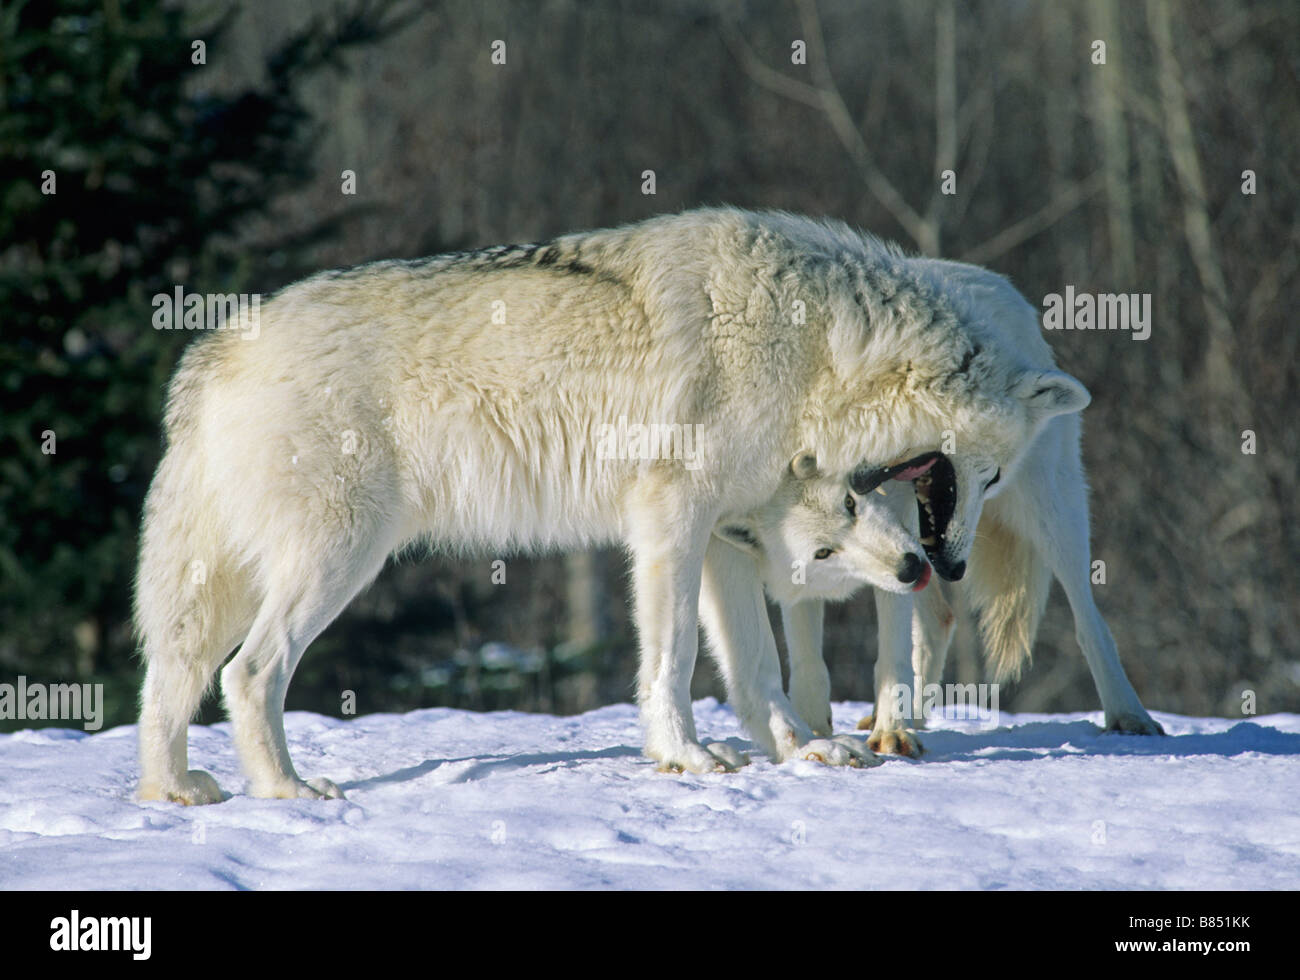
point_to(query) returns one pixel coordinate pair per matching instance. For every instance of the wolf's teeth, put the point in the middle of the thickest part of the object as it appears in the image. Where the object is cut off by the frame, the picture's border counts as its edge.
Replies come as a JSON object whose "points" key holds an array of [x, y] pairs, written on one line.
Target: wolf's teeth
{"points": [[929, 542]]}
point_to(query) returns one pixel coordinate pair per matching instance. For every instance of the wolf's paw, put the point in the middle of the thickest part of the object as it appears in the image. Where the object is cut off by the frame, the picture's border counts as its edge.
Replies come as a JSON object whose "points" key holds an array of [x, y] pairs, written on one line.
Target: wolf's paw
{"points": [[819, 721], [195, 788], [895, 741], [816, 714], [693, 757], [868, 723], [320, 788], [840, 750], [299, 789], [823, 729], [1134, 723]]}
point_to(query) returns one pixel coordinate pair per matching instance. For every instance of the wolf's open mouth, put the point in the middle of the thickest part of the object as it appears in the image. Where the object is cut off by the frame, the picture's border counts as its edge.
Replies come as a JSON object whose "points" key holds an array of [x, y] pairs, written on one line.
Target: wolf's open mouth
{"points": [[936, 499], [935, 481]]}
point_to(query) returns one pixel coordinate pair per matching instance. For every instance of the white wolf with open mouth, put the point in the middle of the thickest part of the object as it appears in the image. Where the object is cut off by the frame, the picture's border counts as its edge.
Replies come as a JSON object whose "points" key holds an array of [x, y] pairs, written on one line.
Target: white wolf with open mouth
{"points": [[1033, 527], [459, 400]]}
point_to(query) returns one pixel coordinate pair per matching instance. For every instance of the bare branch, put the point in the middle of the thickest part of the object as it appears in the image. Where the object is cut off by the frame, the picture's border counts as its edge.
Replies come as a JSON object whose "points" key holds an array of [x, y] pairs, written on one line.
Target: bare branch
{"points": [[1042, 219], [976, 159], [975, 106], [842, 122], [768, 78], [824, 96], [1272, 278]]}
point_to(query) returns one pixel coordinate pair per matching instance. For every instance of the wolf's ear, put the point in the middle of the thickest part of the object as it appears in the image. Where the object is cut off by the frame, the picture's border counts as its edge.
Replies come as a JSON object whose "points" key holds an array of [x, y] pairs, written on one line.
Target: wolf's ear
{"points": [[804, 464], [742, 536], [1048, 393]]}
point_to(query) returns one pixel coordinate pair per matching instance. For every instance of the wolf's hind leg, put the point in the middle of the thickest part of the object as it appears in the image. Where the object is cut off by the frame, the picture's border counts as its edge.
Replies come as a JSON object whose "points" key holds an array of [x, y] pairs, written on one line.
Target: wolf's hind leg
{"points": [[188, 628], [1065, 548], [256, 680], [171, 694]]}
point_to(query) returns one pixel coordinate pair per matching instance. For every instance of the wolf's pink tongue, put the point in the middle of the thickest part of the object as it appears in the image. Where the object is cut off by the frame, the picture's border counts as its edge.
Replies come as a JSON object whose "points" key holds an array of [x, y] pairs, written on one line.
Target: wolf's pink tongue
{"points": [[914, 472], [923, 581]]}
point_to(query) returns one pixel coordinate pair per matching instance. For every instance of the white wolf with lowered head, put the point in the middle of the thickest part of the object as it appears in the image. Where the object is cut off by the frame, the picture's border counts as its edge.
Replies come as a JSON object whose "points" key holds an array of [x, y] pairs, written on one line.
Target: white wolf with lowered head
{"points": [[458, 400], [1033, 527]]}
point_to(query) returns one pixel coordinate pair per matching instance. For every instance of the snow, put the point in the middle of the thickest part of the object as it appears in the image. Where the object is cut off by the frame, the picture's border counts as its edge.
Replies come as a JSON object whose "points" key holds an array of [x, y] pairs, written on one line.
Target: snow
{"points": [[442, 798]]}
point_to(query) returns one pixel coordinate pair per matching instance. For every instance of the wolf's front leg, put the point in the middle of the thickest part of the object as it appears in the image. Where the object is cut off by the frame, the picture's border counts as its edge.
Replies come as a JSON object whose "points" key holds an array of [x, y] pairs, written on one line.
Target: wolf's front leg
{"points": [[736, 622], [810, 682], [894, 677], [668, 553], [932, 628]]}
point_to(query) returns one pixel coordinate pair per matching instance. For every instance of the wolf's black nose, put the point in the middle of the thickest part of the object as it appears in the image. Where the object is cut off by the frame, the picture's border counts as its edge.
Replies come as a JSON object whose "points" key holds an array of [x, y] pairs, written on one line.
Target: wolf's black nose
{"points": [[910, 569], [952, 573]]}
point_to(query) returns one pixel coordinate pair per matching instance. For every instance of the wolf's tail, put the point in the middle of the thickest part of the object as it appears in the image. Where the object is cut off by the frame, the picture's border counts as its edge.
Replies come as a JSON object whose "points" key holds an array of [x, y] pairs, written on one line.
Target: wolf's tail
{"points": [[189, 590], [1007, 585], [193, 599]]}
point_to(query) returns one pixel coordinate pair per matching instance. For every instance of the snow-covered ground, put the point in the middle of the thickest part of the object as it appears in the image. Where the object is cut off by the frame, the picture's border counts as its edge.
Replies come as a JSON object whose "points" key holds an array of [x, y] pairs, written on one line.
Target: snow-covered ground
{"points": [[454, 799]]}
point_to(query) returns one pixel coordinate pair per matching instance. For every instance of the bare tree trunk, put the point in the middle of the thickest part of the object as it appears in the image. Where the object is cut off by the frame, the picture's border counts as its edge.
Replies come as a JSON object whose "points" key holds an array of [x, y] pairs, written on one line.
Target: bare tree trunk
{"points": [[588, 623], [945, 114], [1220, 373], [1057, 38], [1108, 115]]}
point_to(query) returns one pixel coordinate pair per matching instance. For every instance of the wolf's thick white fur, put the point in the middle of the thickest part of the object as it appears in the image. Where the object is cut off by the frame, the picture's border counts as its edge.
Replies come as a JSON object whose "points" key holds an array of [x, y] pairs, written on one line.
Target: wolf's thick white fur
{"points": [[1033, 527], [459, 400]]}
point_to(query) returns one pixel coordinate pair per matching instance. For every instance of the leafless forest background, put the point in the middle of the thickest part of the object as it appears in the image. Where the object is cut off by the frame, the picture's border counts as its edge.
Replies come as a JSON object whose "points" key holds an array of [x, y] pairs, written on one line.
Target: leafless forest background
{"points": [[1125, 176]]}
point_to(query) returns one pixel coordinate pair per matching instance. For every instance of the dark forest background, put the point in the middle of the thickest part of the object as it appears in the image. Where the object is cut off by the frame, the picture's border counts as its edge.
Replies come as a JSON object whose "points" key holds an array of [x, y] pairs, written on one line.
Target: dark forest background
{"points": [[226, 176]]}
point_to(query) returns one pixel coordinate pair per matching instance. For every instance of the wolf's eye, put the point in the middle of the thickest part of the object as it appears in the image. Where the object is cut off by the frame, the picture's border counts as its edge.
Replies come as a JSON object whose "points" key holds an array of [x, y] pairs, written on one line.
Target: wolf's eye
{"points": [[823, 553], [996, 476], [850, 505]]}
